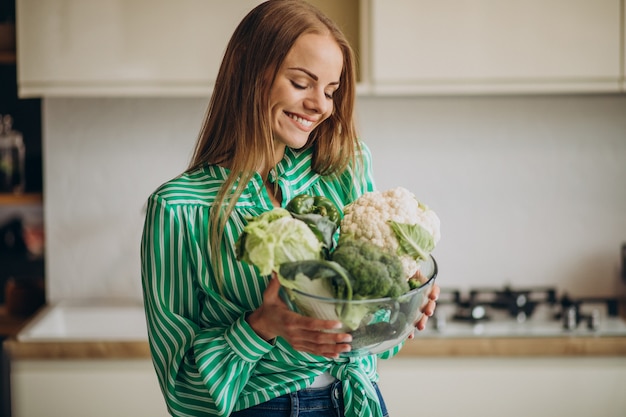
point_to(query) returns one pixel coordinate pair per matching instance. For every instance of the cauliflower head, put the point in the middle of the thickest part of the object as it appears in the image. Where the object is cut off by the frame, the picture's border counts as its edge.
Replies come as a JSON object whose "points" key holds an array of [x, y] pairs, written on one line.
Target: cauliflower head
{"points": [[395, 220]]}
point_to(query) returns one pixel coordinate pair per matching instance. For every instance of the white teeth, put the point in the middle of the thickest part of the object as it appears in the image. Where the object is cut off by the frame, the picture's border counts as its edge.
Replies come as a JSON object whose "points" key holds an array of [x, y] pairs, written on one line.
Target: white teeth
{"points": [[303, 122]]}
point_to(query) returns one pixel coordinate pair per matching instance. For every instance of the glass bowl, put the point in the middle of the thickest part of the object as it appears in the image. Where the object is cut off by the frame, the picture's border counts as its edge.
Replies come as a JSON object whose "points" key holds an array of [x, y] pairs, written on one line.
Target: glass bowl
{"points": [[376, 325]]}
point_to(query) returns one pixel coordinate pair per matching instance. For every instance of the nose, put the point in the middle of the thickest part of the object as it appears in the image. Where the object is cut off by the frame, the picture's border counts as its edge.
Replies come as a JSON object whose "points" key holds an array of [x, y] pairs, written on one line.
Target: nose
{"points": [[317, 101]]}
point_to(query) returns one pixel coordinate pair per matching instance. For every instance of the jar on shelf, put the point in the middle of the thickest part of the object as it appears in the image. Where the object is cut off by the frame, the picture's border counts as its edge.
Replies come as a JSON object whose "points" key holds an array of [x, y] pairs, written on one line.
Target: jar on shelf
{"points": [[12, 169]]}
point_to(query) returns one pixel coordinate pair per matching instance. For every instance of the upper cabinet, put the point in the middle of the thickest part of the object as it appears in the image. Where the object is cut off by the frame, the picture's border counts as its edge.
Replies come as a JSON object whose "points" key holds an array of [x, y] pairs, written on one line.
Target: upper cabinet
{"points": [[123, 47], [624, 45], [456, 46], [167, 48]]}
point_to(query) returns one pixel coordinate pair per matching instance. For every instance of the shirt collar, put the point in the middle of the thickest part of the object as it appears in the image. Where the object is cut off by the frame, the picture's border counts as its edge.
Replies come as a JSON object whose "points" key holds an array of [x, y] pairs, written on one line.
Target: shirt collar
{"points": [[293, 173]]}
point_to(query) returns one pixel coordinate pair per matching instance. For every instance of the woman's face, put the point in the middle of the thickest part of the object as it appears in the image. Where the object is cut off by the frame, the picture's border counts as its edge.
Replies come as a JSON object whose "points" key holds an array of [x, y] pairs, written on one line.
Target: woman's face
{"points": [[302, 94]]}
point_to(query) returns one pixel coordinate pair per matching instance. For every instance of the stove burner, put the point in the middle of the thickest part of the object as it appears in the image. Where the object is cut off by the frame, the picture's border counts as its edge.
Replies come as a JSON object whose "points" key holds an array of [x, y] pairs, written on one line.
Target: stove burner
{"points": [[483, 304], [519, 303], [472, 313], [572, 316]]}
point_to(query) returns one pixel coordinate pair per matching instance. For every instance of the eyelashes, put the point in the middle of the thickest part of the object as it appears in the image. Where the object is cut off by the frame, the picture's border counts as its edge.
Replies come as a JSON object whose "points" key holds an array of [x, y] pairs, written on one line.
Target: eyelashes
{"points": [[297, 86]]}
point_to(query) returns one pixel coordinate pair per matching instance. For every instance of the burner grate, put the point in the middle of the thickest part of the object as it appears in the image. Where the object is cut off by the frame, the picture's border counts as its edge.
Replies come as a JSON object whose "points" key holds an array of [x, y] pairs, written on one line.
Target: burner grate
{"points": [[505, 303]]}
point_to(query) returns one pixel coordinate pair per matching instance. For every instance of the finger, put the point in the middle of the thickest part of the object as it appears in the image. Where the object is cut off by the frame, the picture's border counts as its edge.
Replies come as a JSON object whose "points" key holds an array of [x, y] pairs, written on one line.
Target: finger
{"points": [[300, 329], [421, 323], [429, 309], [273, 286], [434, 292], [326, 349], [309, 323], [325, 338]]}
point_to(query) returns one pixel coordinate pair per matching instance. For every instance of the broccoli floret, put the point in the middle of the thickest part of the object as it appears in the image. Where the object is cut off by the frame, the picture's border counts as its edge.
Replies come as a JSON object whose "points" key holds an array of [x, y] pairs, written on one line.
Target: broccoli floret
{"points": [[414, 283], [374, 272]]}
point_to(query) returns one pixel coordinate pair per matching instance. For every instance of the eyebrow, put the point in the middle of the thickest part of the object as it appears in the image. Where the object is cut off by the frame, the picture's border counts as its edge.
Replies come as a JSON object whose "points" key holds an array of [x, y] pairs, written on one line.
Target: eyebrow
{"points": [[310, 74]]}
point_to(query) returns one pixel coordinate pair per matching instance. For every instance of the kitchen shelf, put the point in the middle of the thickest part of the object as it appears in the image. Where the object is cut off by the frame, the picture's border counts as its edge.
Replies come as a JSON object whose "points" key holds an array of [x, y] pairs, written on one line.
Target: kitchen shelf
{"points": [[9, 199], [7, 57], [11, 325]]}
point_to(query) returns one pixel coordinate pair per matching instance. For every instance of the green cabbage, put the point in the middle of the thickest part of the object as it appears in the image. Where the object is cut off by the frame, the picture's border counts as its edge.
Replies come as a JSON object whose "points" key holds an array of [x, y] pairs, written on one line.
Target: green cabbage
{"points": [[274, 238]]}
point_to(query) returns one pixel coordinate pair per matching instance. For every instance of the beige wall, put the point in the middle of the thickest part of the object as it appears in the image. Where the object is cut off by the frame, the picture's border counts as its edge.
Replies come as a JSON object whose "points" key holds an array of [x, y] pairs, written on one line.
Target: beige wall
{"points": [[530, 190]]}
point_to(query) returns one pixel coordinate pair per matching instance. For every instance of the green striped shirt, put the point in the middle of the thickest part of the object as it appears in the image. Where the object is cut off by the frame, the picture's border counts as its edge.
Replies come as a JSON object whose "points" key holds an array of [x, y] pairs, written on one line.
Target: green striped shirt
{"points": [[207, 358]]}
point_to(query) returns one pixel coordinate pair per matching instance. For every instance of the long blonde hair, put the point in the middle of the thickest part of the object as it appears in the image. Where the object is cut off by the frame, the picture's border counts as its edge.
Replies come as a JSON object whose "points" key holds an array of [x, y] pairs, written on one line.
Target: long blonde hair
{"points": [[237, 129]]}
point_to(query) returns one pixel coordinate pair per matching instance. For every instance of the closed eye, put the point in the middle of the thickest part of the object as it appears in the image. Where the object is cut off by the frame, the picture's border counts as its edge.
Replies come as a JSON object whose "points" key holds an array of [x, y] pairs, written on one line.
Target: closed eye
{"points": [[328, 95]]}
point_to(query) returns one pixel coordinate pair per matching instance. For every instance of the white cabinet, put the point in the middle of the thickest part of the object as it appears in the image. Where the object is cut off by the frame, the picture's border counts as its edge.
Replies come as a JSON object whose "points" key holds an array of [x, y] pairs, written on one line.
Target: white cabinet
{"points": [[623, 45], [123, 47], [94, 388], [422, 46], [170, 48], [513, 387]]}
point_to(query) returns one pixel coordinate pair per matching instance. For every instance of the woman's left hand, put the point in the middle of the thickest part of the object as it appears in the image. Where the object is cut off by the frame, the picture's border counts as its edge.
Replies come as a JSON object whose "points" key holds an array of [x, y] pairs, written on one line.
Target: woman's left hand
{"points": [[428, 309]]}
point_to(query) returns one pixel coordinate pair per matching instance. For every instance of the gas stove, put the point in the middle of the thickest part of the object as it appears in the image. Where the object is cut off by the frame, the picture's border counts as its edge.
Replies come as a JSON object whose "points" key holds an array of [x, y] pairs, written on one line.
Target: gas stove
{"points": [[523, 312]]}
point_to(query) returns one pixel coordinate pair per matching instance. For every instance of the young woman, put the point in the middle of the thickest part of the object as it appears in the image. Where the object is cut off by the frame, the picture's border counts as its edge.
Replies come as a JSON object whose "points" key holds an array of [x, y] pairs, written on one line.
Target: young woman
{"points": [[279, 123]]}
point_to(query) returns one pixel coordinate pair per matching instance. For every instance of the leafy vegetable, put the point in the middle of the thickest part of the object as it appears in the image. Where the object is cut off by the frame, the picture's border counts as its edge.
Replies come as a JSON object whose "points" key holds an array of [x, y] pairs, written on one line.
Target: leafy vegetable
{"points": [[275, 237], [319, 278], [359, 270], [307, 204], [413, 240], [321, 226], [319, 213], [379, 233]]}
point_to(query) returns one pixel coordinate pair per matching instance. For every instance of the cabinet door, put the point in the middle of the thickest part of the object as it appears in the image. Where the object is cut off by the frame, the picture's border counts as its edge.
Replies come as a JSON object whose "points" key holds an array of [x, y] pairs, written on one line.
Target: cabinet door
{"points": [[624, 45], [122, 47], [512, 386], [494, 45], [85, 387]]}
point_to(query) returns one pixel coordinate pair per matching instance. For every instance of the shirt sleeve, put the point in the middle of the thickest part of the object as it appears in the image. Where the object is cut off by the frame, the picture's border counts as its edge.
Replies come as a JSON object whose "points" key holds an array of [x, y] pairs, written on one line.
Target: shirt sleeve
{"points": [[201, 369]]}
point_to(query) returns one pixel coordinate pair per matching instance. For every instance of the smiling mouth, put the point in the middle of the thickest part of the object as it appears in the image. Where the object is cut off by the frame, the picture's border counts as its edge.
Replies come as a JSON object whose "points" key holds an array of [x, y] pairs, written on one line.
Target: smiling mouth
{"points": [[303, 122]]}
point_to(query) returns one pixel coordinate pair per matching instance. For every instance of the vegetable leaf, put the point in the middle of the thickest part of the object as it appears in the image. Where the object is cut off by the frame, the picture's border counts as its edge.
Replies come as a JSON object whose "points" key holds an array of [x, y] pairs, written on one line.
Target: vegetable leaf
{"points": [[322, 226], [413, 239], [275, 237]]}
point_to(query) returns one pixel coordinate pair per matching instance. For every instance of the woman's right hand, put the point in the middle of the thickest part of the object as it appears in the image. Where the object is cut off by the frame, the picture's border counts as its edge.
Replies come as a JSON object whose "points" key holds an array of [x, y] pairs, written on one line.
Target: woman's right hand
{"points": [[274, 318]]}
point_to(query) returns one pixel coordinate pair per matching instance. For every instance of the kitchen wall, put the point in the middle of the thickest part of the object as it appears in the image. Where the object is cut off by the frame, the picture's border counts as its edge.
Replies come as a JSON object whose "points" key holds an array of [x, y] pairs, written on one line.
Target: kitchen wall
{"points": [[530, 190]]}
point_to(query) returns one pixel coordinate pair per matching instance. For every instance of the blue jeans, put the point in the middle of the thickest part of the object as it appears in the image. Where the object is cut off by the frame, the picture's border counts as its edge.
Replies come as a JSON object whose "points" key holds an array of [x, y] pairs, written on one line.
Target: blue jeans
{"points": [[311, 402]]}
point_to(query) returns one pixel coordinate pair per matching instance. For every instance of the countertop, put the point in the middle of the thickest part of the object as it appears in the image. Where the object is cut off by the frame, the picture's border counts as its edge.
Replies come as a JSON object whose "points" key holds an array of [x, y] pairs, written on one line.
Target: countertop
{"points": [[425, 347], [515, 346], [77, 350], [545, 346]]}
